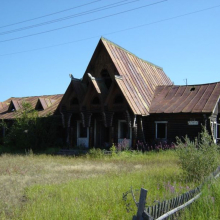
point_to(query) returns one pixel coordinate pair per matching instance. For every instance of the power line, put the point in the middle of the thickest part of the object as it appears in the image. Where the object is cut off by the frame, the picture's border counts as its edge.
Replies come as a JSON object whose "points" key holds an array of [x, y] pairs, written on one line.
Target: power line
{"points": [[70, 17], [115, 32], [84, 22], [32, 19]]}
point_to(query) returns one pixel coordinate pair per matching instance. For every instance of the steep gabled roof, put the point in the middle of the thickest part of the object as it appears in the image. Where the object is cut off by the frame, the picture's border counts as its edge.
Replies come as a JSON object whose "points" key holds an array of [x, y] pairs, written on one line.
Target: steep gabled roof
{"points": [[186, 99], [52, 101], [137, 77]]}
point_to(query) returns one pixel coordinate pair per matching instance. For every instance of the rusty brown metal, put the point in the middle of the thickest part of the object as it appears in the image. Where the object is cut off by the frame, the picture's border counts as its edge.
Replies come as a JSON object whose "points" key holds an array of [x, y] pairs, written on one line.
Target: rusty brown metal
{"points": [[48, 102], [186, 99], [139, 78]]}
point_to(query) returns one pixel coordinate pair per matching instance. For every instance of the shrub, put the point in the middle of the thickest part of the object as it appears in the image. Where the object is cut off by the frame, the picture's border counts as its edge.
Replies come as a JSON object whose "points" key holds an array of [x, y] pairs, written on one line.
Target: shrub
{"points": [[198, 158], [113, 149], [95, 153]]}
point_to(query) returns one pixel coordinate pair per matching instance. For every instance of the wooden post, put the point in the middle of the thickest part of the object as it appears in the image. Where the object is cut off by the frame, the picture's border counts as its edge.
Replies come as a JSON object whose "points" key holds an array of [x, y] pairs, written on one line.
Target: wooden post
{"points": [[141, 204]]}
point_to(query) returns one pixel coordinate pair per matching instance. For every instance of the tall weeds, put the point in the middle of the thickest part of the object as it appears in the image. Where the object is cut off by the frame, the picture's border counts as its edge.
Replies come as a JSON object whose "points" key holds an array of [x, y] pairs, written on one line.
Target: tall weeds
{"points": [[198, 158]]}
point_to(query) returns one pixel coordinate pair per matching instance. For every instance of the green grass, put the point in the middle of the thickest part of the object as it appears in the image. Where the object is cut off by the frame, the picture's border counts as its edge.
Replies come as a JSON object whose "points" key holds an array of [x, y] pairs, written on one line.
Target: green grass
{"points": [[207, 206], [56, 187]]}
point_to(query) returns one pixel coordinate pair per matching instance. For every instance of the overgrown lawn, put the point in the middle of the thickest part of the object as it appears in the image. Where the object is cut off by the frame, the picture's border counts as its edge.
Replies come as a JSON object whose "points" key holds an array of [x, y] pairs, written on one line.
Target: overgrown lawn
{"points": [[57, 187]]}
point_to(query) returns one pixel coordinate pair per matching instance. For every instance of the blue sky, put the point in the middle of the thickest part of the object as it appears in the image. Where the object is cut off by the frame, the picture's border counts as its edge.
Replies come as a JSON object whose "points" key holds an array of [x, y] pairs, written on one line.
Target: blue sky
{"points": [[187, 47]]}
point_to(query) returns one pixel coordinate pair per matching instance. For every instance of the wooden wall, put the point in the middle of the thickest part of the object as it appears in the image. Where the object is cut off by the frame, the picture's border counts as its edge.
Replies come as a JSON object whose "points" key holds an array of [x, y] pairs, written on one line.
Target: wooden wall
{"points": [[177, 125]]}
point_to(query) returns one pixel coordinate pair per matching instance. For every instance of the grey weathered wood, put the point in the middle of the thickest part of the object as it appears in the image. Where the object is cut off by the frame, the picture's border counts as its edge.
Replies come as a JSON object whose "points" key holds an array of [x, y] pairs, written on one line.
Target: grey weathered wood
{"points": [[178, 208], [141, 204], [146, 216]]}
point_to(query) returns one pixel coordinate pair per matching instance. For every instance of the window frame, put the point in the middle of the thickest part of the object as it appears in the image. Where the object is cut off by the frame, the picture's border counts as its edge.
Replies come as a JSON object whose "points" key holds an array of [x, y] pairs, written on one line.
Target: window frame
{"points": [[156, 133]]}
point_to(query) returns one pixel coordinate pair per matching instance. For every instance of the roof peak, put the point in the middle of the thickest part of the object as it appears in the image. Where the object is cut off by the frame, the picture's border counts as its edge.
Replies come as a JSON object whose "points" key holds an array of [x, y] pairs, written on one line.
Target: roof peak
{"points": [[104, 39]]}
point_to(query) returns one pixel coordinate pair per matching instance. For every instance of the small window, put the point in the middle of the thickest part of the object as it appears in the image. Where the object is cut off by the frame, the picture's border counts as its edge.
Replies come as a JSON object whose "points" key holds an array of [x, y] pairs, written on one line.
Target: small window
{"points": [[161, 129], [96, 101], [11, 107], [118, 99], [105, 75], [39, 106]]}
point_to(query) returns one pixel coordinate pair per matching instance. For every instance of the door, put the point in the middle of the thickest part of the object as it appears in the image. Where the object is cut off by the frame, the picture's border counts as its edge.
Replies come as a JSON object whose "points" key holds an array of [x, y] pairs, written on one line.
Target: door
{"points": [[82, 135], [124, 134], [101, 135]]}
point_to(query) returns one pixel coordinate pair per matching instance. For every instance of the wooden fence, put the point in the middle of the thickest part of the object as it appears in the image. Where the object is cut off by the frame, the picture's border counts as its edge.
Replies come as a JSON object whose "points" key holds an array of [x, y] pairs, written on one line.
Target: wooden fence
{"points": [[168, 209]]}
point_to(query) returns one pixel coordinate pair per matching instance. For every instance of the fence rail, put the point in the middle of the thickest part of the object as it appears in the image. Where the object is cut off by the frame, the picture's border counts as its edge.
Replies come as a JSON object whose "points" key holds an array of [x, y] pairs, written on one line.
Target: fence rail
{"points": [[169, 208]]}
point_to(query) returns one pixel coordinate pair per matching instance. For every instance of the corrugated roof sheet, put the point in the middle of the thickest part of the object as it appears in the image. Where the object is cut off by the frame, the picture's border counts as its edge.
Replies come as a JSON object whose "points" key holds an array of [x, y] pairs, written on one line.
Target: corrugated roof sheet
{"points": [[186, 99], [137, 77], [50, 104]]}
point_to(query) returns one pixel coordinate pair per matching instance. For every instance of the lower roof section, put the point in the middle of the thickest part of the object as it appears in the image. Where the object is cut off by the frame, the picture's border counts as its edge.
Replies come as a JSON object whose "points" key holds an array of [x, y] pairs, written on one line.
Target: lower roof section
{"points": [[186, 99], [46, 104]]}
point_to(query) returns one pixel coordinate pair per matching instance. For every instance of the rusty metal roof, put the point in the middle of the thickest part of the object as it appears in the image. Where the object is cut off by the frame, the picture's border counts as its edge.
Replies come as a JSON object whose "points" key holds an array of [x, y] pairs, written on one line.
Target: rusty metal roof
{"points": [[186, 99], [48, 102], [137, 78], [2, 105]]}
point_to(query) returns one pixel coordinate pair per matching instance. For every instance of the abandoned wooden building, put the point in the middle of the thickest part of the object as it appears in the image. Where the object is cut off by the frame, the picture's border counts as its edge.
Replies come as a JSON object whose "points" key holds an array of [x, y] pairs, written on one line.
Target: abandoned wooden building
{"points": [[121, 96]]}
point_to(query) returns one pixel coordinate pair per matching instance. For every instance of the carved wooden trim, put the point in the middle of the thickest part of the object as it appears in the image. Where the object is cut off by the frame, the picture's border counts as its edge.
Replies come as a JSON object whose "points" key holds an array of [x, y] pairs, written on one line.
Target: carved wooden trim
{"points": [[128, 118], [86, 118], [107, 118]]}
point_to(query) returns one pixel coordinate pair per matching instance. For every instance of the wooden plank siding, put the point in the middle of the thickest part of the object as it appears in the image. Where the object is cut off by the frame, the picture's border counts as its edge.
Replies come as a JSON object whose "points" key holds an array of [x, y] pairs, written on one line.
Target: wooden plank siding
{"points": [[177, 126]]}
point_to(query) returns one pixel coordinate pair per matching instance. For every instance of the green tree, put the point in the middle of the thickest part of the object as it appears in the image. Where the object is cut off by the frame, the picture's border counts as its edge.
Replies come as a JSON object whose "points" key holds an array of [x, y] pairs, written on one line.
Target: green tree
{"points": [[29, 131]]}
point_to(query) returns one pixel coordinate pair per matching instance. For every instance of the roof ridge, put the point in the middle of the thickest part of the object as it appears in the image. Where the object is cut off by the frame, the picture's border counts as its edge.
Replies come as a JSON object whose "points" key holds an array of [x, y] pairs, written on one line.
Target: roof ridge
{"points": [[102, 38], [189, 85], [32, 96]]}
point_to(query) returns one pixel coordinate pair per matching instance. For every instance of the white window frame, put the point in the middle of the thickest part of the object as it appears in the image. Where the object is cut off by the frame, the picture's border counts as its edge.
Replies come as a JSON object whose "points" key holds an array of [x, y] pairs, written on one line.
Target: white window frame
{"points": [[214, 128], [161, 122]]}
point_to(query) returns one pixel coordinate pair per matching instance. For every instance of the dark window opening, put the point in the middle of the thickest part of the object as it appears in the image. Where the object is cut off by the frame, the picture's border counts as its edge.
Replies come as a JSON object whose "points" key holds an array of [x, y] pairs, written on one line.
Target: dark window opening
{"points": [[105, 75], [11, 108], [39, 106], [161, 132], [106, 135], [74, 101], [218, 131], [96, 101], [124, 130], [118, 99], [82, 131]]}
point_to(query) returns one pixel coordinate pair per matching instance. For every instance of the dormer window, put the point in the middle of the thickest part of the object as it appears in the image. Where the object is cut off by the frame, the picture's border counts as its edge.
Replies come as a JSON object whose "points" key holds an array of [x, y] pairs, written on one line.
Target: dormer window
{"points": [[105, 75], [39, 106], [14, 105]]}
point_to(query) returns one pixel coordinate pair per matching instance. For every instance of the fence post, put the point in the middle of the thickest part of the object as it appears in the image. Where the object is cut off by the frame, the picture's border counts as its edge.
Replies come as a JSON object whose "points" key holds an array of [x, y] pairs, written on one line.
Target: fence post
{"points": [[141, 204]]}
